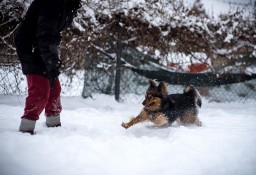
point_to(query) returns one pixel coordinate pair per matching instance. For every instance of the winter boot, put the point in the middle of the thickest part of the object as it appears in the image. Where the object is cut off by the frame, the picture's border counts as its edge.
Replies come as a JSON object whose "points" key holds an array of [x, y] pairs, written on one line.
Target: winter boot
{"points": [[53, 121], [27, 125]]}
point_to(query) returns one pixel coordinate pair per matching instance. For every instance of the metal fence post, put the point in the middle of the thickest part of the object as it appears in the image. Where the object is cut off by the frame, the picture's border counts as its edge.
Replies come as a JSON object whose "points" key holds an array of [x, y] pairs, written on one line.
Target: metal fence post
{"points": [[118, 71]]}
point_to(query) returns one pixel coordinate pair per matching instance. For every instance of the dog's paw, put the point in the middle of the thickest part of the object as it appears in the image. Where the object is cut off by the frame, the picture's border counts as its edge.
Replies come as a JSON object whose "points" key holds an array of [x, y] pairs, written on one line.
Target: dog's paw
{"points": [[199, 123], [125, 125]]}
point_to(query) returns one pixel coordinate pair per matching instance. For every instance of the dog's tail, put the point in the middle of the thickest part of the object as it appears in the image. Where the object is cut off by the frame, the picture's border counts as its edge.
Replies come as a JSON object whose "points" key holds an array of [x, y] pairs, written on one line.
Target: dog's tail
{"points": [[193, 94]]}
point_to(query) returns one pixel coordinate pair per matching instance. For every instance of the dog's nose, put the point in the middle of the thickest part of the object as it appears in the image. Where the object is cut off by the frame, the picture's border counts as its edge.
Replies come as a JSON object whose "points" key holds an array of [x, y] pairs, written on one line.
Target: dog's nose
{"points": [[143, 102]]}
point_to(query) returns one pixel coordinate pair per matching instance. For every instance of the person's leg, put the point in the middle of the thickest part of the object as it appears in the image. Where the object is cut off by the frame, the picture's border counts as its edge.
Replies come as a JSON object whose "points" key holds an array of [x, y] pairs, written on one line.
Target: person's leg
{"points": [[38, 94], [53, 107]]}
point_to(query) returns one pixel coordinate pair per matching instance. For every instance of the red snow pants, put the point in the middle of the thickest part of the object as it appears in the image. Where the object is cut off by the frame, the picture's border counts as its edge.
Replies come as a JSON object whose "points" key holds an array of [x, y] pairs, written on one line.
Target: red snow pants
{"points": [[42, 97]]}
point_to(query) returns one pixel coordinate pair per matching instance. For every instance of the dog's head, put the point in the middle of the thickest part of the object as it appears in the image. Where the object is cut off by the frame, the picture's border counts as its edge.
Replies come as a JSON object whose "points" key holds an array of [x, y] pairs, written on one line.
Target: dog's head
{"points": [[154, 95]]}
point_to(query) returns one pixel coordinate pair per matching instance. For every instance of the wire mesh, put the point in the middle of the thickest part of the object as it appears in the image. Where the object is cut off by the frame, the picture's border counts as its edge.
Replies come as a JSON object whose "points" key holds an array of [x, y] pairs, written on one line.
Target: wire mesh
{"points": [[237, 92], [132, 87]]}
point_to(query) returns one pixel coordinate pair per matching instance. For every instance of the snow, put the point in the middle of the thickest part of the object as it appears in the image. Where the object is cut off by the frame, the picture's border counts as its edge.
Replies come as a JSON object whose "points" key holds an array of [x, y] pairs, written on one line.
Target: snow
{"points": [[91, 141], [217, 7], [229, 38], [250, 70]]}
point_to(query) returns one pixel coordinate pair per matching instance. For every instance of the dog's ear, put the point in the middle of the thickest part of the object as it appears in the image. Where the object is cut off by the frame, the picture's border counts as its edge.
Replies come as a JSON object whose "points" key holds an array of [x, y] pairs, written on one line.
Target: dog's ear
{"points": [[162, 87], [152, 84], [188, 88]]}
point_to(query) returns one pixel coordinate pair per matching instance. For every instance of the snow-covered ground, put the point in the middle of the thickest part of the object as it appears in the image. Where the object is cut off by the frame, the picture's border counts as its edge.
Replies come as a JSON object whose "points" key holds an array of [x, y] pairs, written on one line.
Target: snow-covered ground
{"points": [[92, 142]]}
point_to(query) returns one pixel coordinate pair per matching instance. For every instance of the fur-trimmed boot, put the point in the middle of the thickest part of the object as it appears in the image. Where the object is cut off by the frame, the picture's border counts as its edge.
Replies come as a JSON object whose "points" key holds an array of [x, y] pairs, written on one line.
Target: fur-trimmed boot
{"points": [[53, 121], [27, 125]]}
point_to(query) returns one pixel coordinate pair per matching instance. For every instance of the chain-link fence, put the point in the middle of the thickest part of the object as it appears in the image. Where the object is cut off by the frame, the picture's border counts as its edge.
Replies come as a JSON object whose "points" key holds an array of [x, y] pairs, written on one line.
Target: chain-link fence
{"points": [[13, 82], [132, 86], [100, 76]]}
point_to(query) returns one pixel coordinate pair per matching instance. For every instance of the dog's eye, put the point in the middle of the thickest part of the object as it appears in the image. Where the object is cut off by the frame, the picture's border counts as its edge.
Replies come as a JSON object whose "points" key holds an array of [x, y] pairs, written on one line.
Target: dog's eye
{"points": [[150, 97]]}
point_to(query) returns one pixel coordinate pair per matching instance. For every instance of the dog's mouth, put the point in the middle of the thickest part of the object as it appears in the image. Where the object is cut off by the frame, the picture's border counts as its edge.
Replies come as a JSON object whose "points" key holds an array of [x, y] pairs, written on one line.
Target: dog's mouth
{"points": [[150, 104]]}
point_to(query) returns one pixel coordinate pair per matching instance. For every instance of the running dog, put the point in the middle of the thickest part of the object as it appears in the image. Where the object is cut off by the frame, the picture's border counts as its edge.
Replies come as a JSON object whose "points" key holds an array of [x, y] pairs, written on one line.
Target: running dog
{"points": [[163, 109]]}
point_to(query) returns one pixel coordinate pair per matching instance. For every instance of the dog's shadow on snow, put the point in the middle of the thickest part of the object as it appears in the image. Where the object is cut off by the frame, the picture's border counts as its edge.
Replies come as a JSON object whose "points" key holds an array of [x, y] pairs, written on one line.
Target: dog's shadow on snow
{"points": [[152, 131]]}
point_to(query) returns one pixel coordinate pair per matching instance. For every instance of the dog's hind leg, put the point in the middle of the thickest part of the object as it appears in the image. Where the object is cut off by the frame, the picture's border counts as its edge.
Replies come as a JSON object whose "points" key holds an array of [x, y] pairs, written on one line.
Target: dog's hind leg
{"points": [[189, 118], [143, 116]]}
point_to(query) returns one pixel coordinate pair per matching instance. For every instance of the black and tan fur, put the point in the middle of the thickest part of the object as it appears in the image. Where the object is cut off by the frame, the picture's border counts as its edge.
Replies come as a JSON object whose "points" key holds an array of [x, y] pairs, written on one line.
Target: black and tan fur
{"points": [[163, 109]]}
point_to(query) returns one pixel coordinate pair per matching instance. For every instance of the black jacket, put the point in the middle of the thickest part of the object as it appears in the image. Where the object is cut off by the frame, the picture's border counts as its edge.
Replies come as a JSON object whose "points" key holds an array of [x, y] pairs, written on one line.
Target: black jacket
{"points": [[38, 36]]}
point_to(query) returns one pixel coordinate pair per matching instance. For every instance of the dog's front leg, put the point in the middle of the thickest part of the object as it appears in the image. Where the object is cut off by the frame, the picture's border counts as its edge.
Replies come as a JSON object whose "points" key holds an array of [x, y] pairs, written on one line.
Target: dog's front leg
{"points": [[143, 116]]}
